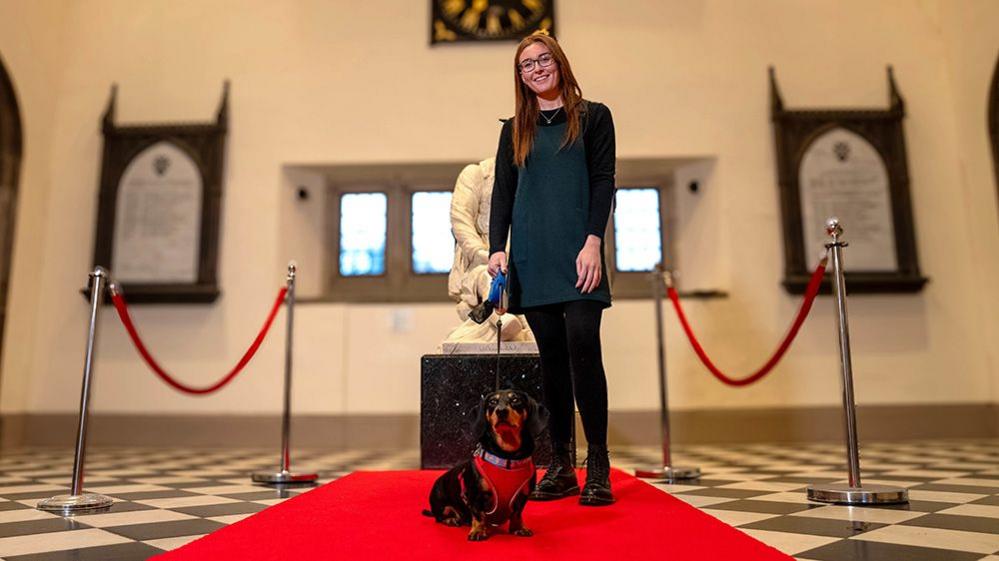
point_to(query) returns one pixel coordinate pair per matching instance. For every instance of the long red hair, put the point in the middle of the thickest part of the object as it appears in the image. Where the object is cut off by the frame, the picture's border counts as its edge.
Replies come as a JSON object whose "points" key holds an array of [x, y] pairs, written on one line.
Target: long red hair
{"points": [[525, 119]]}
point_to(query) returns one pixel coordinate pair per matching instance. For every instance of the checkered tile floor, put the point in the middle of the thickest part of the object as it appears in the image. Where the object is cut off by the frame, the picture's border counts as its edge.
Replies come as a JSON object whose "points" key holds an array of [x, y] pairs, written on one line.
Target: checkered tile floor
{"points": [[168, 497]]}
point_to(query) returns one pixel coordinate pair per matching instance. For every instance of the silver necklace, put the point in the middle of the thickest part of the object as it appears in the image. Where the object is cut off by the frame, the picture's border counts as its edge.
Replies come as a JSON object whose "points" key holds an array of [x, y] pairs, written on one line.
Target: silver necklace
{"points": [[548, 120]]}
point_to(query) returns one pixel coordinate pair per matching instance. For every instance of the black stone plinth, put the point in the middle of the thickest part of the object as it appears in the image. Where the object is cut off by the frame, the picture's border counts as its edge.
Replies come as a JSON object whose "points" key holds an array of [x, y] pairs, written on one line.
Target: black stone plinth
{"points": [[452, 386]]}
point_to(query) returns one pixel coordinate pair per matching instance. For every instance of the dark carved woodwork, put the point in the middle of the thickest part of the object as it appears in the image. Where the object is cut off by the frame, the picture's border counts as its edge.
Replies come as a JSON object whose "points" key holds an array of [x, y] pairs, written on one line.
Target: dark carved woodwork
{"points": [[205, 144], [794, 131], [489, 20]]}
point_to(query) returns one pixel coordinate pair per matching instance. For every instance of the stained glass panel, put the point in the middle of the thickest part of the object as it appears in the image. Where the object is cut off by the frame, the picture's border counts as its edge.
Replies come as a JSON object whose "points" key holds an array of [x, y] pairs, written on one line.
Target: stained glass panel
{"points": [[363, 221], [433, 243], [637, 230]]}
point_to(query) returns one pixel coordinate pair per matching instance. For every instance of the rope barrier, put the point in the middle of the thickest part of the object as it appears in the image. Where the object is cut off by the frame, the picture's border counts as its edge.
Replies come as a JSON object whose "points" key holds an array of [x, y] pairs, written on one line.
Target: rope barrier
{"points": [[806, 305], [122, 307]]}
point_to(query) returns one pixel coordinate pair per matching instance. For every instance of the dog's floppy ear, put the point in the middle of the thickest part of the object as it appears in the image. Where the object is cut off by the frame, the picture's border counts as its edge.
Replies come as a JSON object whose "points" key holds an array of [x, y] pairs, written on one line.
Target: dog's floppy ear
{"points": [[479, 425], [537, 417]]}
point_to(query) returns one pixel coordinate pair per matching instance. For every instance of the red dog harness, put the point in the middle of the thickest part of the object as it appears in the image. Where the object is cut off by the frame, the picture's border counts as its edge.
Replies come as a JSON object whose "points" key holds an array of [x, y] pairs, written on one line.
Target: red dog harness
{"points": [[507, 479]]}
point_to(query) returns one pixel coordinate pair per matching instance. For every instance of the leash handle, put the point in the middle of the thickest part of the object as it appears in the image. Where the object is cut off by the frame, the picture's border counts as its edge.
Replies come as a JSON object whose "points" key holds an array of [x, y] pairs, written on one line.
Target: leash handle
{"points": [[498, 293]]}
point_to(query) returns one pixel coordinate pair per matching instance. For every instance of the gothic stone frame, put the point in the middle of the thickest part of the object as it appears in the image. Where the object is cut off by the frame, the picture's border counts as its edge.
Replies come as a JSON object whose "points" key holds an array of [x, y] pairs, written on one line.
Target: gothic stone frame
{"points": [[793, 133], [205, 143]]}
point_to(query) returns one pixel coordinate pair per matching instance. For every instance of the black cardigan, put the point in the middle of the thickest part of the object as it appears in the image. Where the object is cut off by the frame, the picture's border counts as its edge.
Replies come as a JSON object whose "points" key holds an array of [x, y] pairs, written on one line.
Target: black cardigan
{"points": [[598, 139]]}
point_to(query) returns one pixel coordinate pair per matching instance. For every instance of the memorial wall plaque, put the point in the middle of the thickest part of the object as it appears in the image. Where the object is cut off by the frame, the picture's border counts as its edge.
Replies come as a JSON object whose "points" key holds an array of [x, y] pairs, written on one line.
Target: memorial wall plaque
{"points": [[849, 164], [159, 208], [157, 217], [842, 175]]}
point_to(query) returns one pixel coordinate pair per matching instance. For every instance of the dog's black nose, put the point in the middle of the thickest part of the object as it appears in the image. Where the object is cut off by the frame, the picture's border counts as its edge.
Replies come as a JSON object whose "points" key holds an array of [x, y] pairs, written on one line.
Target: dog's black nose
{"points": [[502, 413]]}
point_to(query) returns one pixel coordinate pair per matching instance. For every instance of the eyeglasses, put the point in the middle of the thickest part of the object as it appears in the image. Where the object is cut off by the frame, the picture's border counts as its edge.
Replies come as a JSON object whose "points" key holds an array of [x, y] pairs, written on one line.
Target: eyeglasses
{"points": [[528, 65]]}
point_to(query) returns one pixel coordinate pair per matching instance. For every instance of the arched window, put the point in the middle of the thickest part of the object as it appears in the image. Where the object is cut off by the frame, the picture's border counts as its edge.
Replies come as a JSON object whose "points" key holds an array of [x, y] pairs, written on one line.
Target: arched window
{"points": [[994, 120], [10, 163]]}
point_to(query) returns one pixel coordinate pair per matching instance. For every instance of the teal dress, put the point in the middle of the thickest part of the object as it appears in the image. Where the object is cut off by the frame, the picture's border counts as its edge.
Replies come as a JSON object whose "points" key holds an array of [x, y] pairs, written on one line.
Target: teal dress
{"points": [[552, 215]]}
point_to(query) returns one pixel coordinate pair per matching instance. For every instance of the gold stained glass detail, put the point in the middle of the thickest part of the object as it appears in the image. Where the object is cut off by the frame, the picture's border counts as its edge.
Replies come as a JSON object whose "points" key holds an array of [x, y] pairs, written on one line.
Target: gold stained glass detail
{"points": [[453, 7], [534, 5], [515, 18], [470, 21], [493, 24], [442, 33], [546, 24]]}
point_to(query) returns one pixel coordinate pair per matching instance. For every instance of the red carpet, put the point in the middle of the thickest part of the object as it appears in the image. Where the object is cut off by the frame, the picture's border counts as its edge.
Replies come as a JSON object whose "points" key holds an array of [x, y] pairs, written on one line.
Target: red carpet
{"points": [[376, 515]]}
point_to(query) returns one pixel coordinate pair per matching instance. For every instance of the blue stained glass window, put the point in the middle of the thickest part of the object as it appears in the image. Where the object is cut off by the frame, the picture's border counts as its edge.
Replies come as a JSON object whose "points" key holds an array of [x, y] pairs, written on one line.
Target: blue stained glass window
{"points": [[433, 242], [637, 230], [363, 220]]}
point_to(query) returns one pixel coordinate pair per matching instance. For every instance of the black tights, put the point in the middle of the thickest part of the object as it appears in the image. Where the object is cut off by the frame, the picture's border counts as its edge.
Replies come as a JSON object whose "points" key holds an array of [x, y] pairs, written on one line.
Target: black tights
{"points": [[568, 336]]}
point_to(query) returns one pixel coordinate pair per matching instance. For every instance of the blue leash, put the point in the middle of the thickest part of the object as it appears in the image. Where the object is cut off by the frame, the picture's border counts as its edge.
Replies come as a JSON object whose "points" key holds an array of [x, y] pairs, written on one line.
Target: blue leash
{"points": [[497, 288], [496, 291]]}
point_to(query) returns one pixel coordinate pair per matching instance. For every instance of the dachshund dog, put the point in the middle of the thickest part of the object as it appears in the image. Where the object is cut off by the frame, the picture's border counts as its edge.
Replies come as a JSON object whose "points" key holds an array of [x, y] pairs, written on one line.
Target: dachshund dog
{"points": [[492, 487]]}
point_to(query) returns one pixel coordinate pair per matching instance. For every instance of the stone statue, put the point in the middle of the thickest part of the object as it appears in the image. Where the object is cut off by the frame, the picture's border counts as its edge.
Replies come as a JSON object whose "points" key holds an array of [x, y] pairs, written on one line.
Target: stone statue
{"points": [[469, 281]]}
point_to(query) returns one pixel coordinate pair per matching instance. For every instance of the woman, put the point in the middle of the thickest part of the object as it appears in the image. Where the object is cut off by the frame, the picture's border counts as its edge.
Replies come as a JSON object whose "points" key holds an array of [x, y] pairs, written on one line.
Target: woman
{"points": [[553, 189]]}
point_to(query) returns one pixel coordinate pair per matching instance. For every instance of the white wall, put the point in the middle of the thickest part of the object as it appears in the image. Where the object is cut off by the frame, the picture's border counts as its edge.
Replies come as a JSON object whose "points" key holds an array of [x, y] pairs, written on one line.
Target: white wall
{"points": [[972, 51], [31, 44], [348, 82]]}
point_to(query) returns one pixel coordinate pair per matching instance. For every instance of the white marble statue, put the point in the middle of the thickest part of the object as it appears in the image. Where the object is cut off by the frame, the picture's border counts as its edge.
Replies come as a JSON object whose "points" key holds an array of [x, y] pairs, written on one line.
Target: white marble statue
{"points": [[469, 281]]}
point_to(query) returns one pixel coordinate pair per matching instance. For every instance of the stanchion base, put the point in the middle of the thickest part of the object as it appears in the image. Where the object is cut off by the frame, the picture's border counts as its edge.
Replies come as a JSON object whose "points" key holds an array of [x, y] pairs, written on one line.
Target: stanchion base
{"points": [[669, 473], [70, 504], [864, 495], [284, 478]]}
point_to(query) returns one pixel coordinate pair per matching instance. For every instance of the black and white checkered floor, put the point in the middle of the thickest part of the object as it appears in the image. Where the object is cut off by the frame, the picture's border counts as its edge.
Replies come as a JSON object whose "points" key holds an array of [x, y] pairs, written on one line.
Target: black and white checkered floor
{"points": [[168, 497]]}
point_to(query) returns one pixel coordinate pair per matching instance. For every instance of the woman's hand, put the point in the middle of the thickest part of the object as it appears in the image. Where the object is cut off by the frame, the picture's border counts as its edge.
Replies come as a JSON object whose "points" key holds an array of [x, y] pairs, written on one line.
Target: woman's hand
{"points": [[497, 263], [588, 265]]}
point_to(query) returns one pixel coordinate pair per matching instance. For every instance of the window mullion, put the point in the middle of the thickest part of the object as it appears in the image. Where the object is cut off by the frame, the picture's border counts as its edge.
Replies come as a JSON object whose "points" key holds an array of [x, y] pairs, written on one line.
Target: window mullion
{"points": [[398, 240]]}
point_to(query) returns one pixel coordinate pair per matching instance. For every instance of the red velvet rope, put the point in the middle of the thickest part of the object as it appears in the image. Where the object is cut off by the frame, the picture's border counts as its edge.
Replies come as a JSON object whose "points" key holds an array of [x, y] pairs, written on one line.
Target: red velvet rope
{"points": [[806, 306], [126, 320]]}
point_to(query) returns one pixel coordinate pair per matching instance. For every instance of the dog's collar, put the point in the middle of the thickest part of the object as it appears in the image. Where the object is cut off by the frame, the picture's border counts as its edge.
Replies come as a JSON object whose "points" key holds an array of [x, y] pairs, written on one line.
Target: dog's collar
{"points": [[502, 462]]}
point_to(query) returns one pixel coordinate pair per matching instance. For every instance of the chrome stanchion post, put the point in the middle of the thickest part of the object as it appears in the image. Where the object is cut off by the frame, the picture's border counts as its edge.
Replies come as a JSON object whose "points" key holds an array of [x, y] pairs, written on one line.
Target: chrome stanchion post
{"points": [[77, 500], [285, 475], [660, 279], [853, 493]]}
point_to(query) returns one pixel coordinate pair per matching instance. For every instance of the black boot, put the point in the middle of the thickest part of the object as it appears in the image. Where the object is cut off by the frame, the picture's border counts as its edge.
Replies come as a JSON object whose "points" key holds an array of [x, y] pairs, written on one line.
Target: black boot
{"points": [[560, 479], [597, 491]]}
